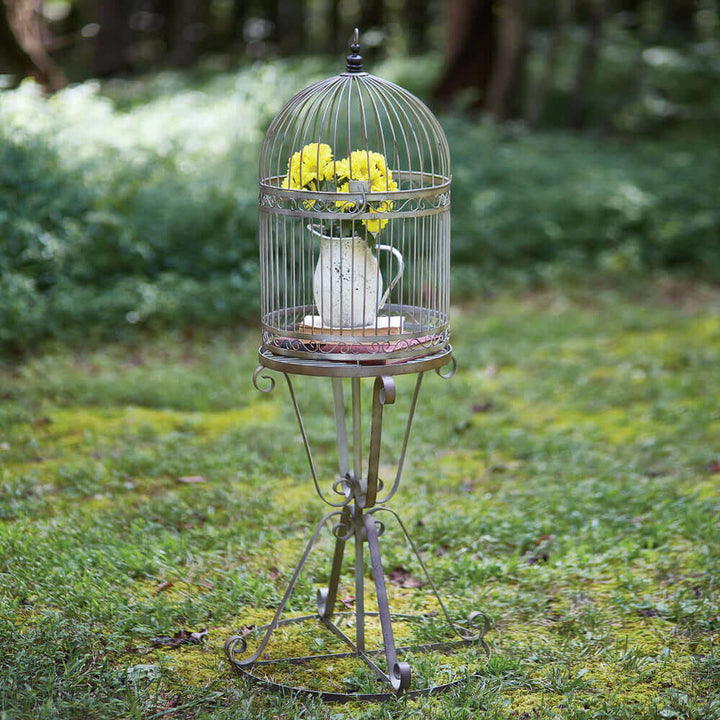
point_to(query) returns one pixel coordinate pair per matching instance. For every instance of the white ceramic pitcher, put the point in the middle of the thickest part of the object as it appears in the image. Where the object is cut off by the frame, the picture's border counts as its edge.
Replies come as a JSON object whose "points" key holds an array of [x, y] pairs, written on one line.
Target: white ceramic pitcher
{"points": [[348, 284]]}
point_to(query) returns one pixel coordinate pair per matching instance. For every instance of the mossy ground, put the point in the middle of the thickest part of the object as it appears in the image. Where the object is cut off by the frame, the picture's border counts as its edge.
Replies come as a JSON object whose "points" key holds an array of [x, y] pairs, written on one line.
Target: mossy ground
{"points": [[565, 481]]}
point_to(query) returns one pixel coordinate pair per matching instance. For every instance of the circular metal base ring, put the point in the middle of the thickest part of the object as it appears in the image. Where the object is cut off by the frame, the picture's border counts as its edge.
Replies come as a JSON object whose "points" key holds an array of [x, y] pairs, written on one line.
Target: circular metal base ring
{"points": [[328, 368], [246, 671]]}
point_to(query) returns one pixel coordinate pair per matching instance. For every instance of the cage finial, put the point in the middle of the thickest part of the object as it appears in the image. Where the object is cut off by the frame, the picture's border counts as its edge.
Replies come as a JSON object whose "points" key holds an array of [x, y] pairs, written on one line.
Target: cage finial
{"points": [[354, 59]]}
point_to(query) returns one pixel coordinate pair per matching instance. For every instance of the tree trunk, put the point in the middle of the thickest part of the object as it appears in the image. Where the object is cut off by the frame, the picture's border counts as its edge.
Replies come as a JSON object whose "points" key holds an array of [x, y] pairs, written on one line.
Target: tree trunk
{"points": [[22, 33], [372, 15], [334, 43], [417, 19], [239, 14], [189, 29], [564, 10], [504, 89], [678, 18], [586, 64], [291, 26], [469, 49], [112, 52]]}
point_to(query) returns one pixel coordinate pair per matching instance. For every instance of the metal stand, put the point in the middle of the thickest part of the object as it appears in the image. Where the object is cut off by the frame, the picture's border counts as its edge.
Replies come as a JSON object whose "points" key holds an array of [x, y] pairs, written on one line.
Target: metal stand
{"points": [[356, 516]]}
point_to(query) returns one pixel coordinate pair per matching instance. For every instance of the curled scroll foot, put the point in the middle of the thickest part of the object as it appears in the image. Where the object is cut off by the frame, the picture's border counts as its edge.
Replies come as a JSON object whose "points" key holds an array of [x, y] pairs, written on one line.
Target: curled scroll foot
{"points": [[268, 378], [446, 373]]}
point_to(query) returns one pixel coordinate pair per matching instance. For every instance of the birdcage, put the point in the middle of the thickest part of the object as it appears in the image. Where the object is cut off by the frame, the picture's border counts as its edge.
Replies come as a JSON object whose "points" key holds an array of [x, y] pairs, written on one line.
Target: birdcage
{"points": [[354, 258], [354, 223]]}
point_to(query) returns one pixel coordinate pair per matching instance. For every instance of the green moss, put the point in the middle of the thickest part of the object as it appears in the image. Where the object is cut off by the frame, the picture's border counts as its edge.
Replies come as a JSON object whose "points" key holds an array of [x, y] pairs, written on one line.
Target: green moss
{"points": [[559, 483]]}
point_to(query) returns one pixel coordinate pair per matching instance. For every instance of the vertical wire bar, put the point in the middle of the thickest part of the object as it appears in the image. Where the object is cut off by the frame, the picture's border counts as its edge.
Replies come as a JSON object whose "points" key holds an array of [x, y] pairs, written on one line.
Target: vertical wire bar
{"points": [[294, 271], [406, 440], [276, 267], [389, 104], [284, 267], [340, 428], [434, 271], [416, 280], [359, 588], [262, 232], [357, 429], [445, 259], [424, 282], [271, 271], [310, 290]]}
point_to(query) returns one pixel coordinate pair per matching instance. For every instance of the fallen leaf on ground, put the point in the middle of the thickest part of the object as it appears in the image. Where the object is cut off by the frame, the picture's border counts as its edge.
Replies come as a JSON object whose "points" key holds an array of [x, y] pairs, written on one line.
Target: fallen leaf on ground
{"points": [[273, 573], [181, 637], [483, 406], [400, 576]]}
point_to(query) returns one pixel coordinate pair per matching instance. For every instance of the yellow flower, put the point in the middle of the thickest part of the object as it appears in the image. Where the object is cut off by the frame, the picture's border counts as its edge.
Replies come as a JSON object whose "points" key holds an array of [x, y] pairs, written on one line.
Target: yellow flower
{"points": [[369, 167], [307, 166], [375, 226]]}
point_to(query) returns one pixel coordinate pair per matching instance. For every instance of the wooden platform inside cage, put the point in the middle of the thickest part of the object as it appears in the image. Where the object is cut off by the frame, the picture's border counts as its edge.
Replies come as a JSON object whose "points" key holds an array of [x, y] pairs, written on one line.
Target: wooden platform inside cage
{"points": [[386, 325]]}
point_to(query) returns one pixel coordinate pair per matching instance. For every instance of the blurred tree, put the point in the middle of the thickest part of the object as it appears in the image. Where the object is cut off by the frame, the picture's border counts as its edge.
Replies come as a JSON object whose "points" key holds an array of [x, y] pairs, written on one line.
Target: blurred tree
{"points": [[372, 14], [417, 14], [112, 49], [485, 52], [504, 88], [585, 70], [290, 21], [188, 27], [239, 15], [679, 17], [469, 50], [564, 10], [334, 44], [23, 40]]}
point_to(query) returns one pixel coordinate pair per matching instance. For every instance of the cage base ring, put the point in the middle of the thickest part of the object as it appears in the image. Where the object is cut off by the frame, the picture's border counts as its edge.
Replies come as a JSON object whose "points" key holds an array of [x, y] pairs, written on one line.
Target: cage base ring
{"points": [[252, 672]]}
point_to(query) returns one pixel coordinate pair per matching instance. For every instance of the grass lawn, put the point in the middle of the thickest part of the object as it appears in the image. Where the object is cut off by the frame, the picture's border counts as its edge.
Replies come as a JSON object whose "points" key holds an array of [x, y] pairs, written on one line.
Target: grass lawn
{"points": [[566, 482]]}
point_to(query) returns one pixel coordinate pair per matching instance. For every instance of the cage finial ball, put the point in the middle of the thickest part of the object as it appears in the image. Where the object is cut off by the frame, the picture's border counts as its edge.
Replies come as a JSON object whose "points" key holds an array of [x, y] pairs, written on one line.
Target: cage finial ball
{"points": [[354, 59]]}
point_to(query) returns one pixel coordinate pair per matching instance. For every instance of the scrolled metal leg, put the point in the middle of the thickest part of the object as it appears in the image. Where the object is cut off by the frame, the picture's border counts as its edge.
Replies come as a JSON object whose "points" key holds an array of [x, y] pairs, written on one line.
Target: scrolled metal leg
{"points": [[383, 394], [357, 511], [399, 672], [232, 643], [463, 632], [326, 596]]}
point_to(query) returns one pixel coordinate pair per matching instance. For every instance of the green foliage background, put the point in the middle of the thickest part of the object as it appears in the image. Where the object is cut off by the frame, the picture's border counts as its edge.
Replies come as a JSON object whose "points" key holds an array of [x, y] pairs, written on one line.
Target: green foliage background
{"points": [[134, 205]]}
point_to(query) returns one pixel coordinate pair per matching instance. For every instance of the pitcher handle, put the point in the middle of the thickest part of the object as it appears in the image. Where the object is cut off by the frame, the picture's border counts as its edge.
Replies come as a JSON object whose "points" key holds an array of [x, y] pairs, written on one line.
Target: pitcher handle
{"points": [[398, 275]]}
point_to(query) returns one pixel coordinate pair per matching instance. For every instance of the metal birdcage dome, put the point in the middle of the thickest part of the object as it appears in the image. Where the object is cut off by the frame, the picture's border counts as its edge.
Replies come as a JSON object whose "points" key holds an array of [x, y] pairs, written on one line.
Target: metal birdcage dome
{"points": [[354, 223]]}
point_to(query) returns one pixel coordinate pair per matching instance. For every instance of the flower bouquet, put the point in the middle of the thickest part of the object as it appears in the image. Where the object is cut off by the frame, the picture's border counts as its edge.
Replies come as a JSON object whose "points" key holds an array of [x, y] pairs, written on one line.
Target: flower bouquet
{"points": [[347, 283]]}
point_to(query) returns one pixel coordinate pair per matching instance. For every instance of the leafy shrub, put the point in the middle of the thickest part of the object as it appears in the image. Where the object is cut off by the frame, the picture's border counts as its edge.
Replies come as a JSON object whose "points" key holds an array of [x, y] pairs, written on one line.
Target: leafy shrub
{"points": [[138, 207], [528, 200]]}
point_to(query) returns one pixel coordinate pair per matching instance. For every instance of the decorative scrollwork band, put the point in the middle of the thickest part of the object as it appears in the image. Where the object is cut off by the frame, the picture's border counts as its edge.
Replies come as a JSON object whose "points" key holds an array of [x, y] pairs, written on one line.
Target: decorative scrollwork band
{"points": [[407, 346], [329, 208]]}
